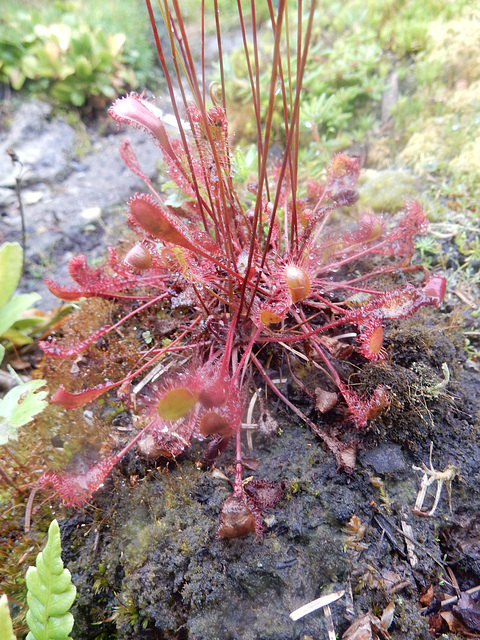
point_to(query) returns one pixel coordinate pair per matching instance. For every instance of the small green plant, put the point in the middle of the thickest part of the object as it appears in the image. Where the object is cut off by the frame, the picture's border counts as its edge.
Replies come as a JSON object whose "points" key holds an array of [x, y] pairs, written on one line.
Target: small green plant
{"points": [[25, 400], [50, 592], [345, 75], [14, 327], [70, 60], [6, 628]]}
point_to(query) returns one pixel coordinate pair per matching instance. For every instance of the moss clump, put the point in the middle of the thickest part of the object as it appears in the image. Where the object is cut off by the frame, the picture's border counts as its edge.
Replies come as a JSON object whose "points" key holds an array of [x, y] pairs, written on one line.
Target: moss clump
{"points": [[386, 190]]}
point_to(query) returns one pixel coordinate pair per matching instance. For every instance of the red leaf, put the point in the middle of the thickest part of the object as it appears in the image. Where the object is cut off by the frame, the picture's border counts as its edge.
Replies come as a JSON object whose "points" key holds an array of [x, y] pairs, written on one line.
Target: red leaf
{"points": [[66, 351], [76, 488], [141, 114], [70, 400], [130, 159], [67, 294], [147, 214]]}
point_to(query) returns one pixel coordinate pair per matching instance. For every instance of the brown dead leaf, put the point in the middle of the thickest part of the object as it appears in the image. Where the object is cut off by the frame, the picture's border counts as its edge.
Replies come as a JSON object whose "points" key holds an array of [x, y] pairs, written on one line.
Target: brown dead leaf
{"points": [[250, 463], [337, 348], [456, 626], [435, 623], [267, 424], [427, 597], [19, 365], [325, 400], [387, 615], [368, 627], [348, 456]]}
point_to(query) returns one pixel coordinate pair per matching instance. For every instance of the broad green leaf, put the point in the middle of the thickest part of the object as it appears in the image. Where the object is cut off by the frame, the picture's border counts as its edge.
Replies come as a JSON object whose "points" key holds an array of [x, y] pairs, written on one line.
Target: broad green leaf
{"points": [[19, 406], [11, 311], [83, 68], [6, 628], [176, 403], [17, 338], [11, 262], [2, 353], [115, 43], [28, 322], [17, 78], [50, 592]]}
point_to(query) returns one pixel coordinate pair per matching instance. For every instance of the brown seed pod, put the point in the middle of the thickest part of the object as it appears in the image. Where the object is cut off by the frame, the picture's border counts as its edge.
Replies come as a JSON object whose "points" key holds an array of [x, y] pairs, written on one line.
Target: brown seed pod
{"points": [[214, 395], [298, 282], [214, 423], [138, 258], [236, 519]]}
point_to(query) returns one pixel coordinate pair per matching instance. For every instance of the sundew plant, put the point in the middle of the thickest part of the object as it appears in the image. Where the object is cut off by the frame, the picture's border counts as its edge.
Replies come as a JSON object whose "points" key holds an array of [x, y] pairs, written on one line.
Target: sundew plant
{"points": [[256, 267]]}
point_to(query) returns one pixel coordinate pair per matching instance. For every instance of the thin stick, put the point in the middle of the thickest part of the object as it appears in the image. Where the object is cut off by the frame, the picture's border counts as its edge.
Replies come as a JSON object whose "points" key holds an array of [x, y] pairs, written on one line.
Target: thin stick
{"points": [[327, 612], [453, 599], [316, 604]]}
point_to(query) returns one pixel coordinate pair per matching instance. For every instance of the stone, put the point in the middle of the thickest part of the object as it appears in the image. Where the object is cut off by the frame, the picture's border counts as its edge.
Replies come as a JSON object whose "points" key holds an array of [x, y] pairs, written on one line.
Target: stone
{"points": [[44, 147], [386, 458]]}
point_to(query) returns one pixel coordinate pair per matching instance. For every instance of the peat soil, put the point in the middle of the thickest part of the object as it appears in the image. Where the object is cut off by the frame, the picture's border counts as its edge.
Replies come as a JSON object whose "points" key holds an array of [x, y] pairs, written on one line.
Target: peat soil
{"points": [[144, 553]]}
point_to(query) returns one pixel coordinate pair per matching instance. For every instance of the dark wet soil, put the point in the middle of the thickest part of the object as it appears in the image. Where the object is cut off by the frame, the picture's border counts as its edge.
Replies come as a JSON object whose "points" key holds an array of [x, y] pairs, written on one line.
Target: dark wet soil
{"points": [[145, 556]]}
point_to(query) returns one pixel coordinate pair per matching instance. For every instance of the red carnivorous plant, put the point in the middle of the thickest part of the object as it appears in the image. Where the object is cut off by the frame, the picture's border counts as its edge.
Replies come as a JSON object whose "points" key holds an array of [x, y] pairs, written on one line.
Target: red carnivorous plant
{"points": [[257, 265]]}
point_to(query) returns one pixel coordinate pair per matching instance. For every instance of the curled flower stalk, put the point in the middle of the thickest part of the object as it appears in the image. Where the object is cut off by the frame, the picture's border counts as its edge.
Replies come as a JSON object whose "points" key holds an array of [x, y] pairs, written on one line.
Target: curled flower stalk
{"points": [[259, 264]]}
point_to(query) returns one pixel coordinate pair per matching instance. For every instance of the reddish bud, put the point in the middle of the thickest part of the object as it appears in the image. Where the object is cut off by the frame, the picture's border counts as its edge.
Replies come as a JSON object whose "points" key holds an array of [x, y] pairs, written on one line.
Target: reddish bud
{"points": [[214, 395], [436, 288]]}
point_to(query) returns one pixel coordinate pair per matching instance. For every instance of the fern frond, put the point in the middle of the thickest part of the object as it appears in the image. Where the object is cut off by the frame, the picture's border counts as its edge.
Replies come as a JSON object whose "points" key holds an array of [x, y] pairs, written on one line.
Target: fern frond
{"points": [[50, 592], [6, 628]]}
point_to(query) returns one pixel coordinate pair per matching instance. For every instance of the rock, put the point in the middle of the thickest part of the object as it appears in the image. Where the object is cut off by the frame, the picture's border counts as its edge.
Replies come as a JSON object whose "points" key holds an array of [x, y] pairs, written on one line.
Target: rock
{"points": [[32, 197], [44, 147], [91, 214], [385, 458], [390, 97], [7, 197]]}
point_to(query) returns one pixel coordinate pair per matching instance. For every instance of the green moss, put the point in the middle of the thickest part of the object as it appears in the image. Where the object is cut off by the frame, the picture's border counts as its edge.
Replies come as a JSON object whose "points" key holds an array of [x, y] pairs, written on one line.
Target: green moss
{"points": [[386, 190]]}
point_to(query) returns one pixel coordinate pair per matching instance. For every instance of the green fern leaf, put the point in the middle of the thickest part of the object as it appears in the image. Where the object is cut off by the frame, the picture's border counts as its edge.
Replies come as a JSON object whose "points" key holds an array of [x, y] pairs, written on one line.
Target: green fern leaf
{"points": [[6, 629], [50, 592]]}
